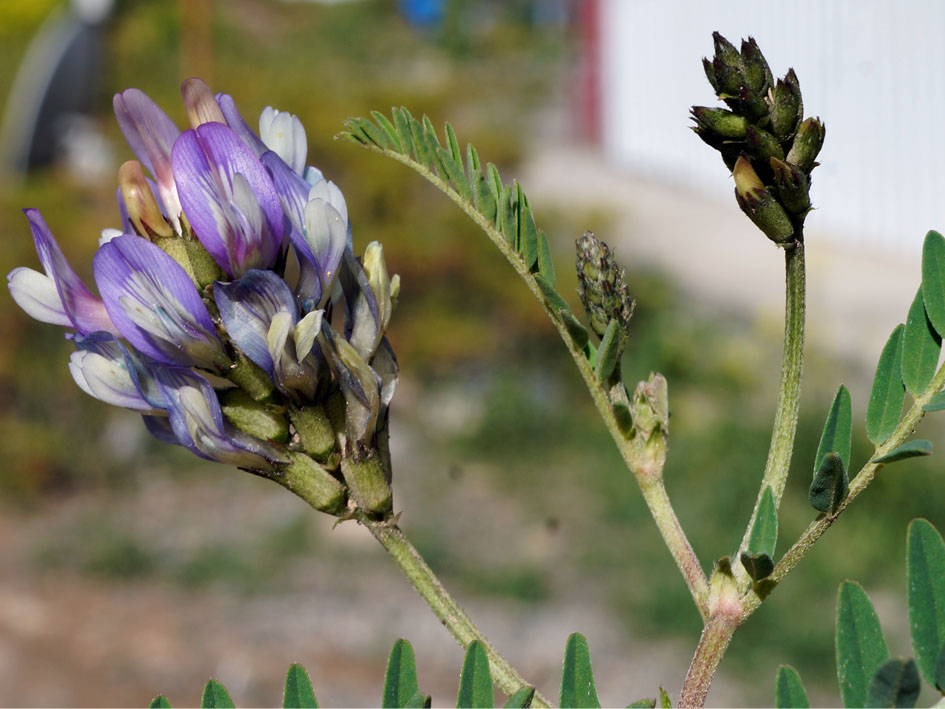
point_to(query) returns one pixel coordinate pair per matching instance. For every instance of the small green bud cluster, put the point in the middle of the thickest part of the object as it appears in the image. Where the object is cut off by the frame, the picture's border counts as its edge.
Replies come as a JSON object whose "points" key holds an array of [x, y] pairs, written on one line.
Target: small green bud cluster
{"points": [[602, 288], [762, 136]]}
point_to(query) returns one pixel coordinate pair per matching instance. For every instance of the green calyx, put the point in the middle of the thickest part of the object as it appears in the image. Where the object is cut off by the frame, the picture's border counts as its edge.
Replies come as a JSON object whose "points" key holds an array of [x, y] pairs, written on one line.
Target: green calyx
{"points": [[265, 421], [313, 483], [316, 435], [368, 481]]}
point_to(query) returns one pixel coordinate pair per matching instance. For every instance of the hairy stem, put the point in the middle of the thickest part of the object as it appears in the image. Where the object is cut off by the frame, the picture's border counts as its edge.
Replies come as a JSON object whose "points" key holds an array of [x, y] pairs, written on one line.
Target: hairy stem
{"points": [[859, 483], [638, 463], [716, 636], [443, 605], [789, 392]]}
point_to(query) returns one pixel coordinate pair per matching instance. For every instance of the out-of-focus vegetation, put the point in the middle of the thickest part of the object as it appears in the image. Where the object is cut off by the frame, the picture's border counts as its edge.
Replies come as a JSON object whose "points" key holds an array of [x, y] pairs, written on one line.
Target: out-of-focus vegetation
{"points": [[469, 339]]}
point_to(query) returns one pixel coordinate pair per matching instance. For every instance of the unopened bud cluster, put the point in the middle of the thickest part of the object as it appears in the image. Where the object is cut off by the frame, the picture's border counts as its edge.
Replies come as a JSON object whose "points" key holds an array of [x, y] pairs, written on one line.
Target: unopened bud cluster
{"points": [[762, 136], [601, 286]]}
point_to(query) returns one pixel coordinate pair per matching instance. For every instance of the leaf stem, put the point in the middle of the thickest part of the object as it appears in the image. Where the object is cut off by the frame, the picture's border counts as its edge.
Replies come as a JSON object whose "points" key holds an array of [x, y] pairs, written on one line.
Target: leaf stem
{"points": [[859, 483], [443, 605], [649, 479], [789, 392]]}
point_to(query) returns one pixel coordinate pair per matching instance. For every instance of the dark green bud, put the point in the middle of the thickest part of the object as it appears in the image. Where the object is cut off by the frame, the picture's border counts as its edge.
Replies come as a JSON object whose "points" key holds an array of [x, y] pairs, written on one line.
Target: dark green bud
{"points": [[786, 106], [725, 51], [793, 186], [752, 105], [367, 481], [760, 206], [263, 421], [710, 75], [727, 76], [755, 68], [601, 286], [720, 122], [807, 144], [763, 145]]}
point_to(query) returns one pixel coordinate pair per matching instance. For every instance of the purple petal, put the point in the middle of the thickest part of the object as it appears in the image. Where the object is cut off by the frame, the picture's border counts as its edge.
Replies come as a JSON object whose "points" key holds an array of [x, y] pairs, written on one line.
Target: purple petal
{"points": [[151, 135], [247, 307], [235, 121], [195, 417], [228, 198], [107, 370], [155, 305], [77, 307], [292, 189]]}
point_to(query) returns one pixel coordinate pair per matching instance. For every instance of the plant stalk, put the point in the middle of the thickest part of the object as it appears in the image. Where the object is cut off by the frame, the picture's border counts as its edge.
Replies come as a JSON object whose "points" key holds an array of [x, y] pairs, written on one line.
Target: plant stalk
{"points": [[789, 391], [716, 636], [637, 462], [443, 605]]}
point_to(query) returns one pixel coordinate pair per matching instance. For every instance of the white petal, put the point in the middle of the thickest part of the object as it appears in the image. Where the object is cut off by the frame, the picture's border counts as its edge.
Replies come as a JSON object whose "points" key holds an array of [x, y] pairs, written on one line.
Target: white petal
{"points": [[38, 296]]}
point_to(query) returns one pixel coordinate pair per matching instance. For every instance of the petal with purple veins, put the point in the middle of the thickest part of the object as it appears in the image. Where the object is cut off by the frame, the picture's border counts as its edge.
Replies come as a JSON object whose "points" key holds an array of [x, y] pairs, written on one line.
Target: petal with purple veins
{"points": [[105, 369], [154, 304], [234, 120]]}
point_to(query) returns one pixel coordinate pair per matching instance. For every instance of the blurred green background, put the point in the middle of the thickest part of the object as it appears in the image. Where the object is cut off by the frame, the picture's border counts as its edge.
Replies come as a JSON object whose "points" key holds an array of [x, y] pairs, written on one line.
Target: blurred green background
{"points": [[129, 568]]}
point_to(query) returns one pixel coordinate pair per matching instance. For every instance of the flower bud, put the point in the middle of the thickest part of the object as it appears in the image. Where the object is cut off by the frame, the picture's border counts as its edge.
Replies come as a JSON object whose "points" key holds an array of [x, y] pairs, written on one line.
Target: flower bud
{"points": [[793, 186], [720, 122], [763, 145], [786, 106], [755, 68], [315, 431], [201, 104], [312, 483], [760, 206], [143, 210], [601, 286], [807, 144]]}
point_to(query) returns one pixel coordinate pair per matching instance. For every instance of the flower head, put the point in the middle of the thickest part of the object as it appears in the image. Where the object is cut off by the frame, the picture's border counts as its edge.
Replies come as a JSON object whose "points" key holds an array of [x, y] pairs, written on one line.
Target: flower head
{"points": [[198, 328]]}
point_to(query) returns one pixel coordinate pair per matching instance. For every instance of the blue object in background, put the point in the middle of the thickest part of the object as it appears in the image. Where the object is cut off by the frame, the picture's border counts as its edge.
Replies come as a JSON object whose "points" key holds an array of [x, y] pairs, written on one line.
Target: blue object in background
{"points": [[423, 13]]}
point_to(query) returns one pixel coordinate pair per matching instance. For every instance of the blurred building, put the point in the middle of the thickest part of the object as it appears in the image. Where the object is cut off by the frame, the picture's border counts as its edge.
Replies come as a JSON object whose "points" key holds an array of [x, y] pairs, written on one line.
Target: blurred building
{"points": [[873, 69]]}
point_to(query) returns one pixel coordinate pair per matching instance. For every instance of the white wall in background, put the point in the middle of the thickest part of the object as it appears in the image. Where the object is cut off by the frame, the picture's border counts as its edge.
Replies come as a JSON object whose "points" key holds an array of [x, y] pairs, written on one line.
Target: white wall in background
{"points": [[873, 70]]}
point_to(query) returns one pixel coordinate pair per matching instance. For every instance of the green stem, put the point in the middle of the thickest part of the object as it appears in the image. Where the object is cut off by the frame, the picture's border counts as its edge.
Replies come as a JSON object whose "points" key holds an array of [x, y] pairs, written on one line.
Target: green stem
{"points": [[859, 483], [789, 392], [637, 461], [715, 639], [443, 605]]}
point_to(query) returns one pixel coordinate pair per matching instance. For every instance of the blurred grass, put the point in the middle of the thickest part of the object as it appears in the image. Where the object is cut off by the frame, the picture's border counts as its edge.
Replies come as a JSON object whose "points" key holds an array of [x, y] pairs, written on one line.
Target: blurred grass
{"points": [[462, 323]]}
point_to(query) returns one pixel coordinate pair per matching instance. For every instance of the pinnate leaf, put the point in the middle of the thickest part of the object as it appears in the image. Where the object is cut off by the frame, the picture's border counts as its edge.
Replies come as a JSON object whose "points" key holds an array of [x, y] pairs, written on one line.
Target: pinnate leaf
{"points": [[838, 430], [860, 645], [888, 393], [215, 696], [925, 573], [829, 486], [921, 346], [577, 677], [475, 682], [298, 692], [789, 692], [912, 449], [895, 683], [400, 680], [933, 279]]}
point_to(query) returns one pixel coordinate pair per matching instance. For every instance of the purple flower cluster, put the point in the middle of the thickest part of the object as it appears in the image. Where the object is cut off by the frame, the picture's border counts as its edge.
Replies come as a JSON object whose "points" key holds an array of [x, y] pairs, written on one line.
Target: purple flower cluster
{"points": [[219, 295]]}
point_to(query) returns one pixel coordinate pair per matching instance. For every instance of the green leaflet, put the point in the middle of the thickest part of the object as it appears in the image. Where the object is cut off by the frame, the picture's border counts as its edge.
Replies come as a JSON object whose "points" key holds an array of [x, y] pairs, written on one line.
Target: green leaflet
{"points": [[494, 183], [912, 449], [838, 430], [933, 279], [643, 704], [829, 486], [895, 684], [888, 394], [577, 677], [475, 682], [420, 144], [389, 130], [159, 702], [860, 645], [936, 403], [608, 354], [940, 671], [576, 330], [521, 699], [764, 532], [555, 301], [453, 145], [546, 266], [921, 346], [758, 566], [419, 701], [298, 691], [510, 225], [665, 701], [215, 696], [789, 692], [402, 121], [529, 233], [925, 573], [400, 680], [374, 134]]}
